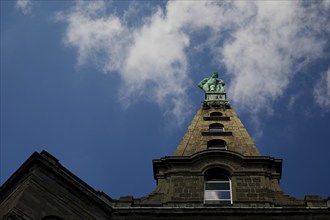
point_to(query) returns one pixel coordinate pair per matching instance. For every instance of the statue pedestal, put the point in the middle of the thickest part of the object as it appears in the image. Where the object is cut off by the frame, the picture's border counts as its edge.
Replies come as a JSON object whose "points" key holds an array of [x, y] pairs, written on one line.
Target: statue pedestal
{"points": [[216, 100], [215, 96]]}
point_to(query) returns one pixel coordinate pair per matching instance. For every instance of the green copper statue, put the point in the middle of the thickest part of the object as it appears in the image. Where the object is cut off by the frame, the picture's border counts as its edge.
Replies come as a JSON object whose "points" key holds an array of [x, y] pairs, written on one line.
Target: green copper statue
{"points": [[212, 84]]}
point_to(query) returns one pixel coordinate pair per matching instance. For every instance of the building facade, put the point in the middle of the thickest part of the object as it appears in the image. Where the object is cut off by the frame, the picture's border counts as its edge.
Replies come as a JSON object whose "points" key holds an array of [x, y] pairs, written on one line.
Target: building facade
{"points": [[216, 172]]}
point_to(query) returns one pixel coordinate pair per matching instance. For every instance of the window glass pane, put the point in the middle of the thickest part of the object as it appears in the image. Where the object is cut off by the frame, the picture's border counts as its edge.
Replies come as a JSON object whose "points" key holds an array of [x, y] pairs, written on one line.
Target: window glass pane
{"points": [[224, 194], [217, 195], [217, 186], [211, 195]]}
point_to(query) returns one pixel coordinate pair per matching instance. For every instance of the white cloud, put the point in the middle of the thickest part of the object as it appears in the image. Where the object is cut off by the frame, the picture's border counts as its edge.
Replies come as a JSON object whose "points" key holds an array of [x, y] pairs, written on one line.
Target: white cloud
{"points": [[94, 34], [262, 55], [261, 44], [25, 6], [321, 91], [151, 59]]}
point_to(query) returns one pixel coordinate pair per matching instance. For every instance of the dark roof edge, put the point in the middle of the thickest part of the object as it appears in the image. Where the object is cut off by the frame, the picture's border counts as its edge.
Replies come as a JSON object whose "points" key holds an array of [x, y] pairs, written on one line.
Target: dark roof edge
{"points": [[51, 163]]}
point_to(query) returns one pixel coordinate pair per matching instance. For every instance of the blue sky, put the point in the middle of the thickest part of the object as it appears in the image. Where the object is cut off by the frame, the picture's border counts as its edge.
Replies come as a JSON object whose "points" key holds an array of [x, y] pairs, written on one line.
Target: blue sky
{"points": [[108, 86]]}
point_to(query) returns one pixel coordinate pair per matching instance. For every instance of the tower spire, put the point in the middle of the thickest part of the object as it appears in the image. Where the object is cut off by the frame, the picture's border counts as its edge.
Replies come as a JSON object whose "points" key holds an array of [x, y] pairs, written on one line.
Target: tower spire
{"points": [[216, 125]]}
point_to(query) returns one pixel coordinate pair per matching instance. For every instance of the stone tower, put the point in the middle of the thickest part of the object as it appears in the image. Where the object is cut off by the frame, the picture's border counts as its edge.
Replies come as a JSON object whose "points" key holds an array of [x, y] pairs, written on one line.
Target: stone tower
{"points": [[216, 172], [216, 163]]}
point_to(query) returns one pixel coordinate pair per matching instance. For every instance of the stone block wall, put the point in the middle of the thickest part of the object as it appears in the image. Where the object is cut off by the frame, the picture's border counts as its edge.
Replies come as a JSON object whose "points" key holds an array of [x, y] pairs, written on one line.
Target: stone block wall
{"points": [[251, 190], [186, 189], [237, 137]]}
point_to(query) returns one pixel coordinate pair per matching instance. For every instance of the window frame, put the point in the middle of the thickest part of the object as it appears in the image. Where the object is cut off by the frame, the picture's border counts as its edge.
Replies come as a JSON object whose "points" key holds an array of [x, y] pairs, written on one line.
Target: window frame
{"points": [[216, 127], [222, 146], [219, 200]]}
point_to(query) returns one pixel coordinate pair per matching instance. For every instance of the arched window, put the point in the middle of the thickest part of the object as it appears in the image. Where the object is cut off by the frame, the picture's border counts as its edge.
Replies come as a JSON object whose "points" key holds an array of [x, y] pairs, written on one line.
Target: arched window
{"points": [[216, 144], [215, 114], [216, 127], [217, 187]]}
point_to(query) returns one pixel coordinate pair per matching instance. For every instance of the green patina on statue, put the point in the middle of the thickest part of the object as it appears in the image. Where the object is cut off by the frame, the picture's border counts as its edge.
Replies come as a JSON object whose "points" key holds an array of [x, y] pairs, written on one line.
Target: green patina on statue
{"points": [[212, 84], [215, 95]]}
